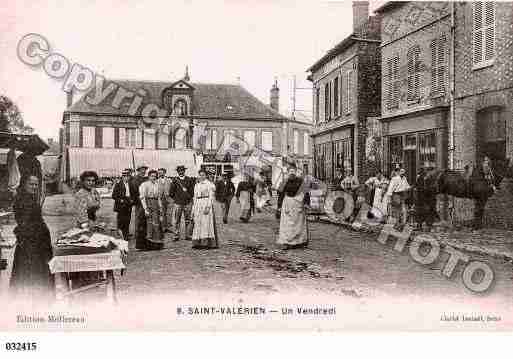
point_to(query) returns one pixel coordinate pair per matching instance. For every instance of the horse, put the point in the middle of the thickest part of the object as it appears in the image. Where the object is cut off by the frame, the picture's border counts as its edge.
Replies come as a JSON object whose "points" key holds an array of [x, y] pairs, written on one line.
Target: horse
{"points": [[471, 185]]}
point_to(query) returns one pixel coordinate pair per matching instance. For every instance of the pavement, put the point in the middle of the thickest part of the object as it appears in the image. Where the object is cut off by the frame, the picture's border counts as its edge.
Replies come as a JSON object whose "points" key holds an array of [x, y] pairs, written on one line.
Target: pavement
{"points": [[341, 266]]}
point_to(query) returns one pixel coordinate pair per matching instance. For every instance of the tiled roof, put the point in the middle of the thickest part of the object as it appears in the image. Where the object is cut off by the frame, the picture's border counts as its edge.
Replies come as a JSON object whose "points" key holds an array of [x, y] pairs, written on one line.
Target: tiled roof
{"points": [[209, 101]]}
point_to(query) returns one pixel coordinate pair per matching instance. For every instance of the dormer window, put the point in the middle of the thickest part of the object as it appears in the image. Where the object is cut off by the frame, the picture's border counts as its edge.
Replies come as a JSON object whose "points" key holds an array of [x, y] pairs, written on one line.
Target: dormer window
{"points": [[180, 108]]}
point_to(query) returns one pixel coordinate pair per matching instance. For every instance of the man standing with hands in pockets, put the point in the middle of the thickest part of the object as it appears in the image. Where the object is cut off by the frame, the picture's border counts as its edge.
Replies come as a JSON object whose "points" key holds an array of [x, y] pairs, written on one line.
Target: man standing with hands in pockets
{"points": [[182, 192]]}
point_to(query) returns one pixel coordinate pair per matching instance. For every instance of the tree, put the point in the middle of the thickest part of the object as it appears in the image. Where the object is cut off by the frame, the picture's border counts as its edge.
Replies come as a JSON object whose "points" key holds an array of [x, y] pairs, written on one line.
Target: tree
{"points": [[11, 119]]}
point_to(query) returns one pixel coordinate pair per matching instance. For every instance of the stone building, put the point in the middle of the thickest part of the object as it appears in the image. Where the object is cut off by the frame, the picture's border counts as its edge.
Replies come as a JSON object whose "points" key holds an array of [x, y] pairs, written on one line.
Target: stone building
{"points": [[430, 51], [415, 52], [163, 124], [346, 93]]}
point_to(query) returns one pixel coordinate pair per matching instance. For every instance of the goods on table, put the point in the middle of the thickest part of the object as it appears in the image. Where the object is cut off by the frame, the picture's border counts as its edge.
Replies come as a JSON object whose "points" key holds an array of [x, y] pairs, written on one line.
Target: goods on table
{"points": [[85, 241]]}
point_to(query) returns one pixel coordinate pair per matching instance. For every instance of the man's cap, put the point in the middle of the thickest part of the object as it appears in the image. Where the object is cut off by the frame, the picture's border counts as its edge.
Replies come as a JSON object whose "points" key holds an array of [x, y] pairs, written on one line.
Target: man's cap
{"points": [[126, 171], [178, 168], [162, 169], [142, 167]]}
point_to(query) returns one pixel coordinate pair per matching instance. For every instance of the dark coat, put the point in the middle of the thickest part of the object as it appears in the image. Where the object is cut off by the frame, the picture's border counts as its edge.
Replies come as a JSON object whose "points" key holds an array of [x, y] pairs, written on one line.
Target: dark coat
{"points": [[177, 193], [134, 183], [224, 191], [121, 201]]}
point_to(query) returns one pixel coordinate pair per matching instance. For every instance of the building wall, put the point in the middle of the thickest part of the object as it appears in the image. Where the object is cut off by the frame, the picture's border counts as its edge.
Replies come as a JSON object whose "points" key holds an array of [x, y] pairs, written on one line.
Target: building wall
{"points": [[415, 25], [479, 88]]}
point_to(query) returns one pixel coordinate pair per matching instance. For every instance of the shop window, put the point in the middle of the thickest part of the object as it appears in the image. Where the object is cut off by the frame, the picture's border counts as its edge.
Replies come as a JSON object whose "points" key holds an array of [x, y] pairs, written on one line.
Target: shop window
{"points": [[427, 150], [395, 152], [491, 134]]}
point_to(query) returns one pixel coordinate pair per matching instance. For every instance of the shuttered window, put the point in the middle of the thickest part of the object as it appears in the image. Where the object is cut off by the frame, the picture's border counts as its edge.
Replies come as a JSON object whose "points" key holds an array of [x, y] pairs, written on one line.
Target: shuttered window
{"points": [[326, 102], [349, 91], [163, 140], [121, 137], [149, 138], [306, 143], [317, 108], [296, 141], [74, 134], [483, 33], [88, 136], [335, 96], [108, 137], [413, 59], [267, 140], [393, 83], [438, 65]]}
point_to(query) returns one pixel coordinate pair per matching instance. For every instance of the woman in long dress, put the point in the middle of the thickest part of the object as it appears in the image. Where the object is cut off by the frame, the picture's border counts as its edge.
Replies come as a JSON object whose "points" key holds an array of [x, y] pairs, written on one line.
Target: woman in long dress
{"points": [[87, 203], [151, 201], [244, 194], [293, 226], [31, 277], [204, 233]]}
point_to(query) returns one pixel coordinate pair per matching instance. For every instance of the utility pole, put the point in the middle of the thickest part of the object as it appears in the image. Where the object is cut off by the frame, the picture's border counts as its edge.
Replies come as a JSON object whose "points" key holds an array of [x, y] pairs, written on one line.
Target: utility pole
{"points": [[294, 99]]}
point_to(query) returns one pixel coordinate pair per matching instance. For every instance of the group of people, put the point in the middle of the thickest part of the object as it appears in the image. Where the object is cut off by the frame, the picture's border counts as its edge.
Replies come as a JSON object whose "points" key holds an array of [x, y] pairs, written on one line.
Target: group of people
{"points": [[386, 197], [160, 203]]}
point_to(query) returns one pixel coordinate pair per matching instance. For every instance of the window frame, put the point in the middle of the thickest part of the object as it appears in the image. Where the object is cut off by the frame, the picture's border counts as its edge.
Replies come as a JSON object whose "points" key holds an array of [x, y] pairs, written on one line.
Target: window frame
{"points": [[262, 140], [91, 137], [483, 62], [413, 74]]}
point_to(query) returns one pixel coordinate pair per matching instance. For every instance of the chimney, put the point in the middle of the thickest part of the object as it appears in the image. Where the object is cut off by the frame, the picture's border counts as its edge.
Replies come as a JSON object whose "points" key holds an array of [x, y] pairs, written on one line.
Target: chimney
{"points": [[69, 98], [360, 14], [275, 96]]}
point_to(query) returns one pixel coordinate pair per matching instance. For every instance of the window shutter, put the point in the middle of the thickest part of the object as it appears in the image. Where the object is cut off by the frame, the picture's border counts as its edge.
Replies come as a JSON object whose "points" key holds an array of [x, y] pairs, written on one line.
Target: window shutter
{"points": [[434, 62], [489, 32], [98, 137], [121, 137], [396, 83], [388, 79], [441, 65], [413, 73], [138, 138], [478, 32]]}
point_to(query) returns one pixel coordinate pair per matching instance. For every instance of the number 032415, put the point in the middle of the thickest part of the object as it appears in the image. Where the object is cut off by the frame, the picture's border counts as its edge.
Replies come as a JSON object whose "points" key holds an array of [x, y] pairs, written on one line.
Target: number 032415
{"points": [[27, 346]]}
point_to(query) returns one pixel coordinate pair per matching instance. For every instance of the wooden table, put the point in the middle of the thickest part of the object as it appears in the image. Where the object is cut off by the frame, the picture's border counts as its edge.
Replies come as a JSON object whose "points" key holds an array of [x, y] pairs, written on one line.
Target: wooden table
{"points": [[107, 262]]}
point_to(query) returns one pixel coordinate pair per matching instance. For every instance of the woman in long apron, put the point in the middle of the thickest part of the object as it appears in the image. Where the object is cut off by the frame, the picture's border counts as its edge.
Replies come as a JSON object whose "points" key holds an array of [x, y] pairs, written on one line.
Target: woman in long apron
{"points": [[293, 226], [204, 233]]}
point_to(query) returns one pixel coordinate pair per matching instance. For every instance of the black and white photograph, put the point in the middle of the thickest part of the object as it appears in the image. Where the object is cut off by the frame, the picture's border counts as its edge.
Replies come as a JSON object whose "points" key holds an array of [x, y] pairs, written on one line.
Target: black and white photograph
{"points": [[256, 166]]}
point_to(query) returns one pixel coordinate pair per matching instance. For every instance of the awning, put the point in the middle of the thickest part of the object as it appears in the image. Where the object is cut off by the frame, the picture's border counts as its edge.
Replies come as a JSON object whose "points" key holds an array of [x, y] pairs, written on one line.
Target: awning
{"points": [[109, 162]]}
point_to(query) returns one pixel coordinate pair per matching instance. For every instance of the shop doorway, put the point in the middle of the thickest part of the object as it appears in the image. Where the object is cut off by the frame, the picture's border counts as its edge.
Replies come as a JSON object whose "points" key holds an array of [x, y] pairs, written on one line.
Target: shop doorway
{"points": [[491, 134]]}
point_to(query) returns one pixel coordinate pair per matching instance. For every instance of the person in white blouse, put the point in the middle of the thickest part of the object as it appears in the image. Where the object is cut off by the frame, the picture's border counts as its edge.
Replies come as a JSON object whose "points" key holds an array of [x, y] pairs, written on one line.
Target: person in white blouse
{"points": [[151, 201], [397, 192], [204, 233]]}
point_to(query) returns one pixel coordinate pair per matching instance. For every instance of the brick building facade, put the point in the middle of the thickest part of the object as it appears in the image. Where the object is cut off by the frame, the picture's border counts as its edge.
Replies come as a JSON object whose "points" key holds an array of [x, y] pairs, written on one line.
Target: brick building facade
{"points": [[346, 92]]}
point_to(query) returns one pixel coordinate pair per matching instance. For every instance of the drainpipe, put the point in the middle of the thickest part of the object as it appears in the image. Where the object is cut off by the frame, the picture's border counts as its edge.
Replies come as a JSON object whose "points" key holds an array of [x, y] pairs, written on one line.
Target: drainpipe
{"points": [[452, 87]]}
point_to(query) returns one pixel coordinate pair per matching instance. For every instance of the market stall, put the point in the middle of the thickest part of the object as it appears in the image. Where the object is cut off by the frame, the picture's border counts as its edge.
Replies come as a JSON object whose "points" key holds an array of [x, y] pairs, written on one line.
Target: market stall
{"points": [[87, 251]]}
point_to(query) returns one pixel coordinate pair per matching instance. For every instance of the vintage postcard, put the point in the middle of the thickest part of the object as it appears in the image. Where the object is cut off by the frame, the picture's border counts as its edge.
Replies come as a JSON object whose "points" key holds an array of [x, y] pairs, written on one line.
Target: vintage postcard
{"points": [[256, 166]]}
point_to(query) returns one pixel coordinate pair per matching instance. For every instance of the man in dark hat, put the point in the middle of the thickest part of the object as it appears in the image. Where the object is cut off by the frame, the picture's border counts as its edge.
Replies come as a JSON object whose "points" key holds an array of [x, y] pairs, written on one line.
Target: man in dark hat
{"points": [[140, 215], [182, 192], [122, 195], [225, 191]]}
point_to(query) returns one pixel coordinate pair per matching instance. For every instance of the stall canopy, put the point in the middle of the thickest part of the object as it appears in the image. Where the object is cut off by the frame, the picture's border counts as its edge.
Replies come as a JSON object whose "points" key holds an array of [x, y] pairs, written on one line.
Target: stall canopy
{"points": [[23, 143], [110, 162]]}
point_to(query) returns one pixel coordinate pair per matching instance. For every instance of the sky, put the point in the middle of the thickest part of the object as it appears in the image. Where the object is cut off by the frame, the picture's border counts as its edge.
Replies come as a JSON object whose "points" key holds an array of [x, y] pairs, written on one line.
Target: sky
{"points": [[243, 41]]}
